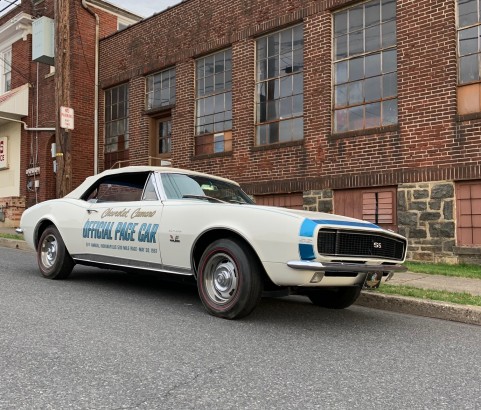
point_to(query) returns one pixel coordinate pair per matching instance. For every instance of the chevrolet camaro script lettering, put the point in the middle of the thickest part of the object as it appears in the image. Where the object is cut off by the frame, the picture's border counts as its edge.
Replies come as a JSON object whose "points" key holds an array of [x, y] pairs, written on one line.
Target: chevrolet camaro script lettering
{"points": [[190, 224]]}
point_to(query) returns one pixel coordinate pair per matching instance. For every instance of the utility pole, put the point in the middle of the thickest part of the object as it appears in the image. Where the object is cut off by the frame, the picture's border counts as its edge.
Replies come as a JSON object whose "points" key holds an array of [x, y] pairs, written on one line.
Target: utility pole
{"points": [[62, 96]]}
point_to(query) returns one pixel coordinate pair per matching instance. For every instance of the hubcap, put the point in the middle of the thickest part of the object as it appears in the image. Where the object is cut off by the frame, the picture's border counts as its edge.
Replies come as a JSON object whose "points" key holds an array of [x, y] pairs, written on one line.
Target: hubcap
{"points": [[48, 251], [220, 278]]}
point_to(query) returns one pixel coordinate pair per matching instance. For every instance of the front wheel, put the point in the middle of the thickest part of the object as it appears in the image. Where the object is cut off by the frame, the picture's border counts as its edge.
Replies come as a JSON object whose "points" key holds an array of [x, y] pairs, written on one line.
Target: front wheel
{"points": [[335, 298], [229, 279], [53, 258]]}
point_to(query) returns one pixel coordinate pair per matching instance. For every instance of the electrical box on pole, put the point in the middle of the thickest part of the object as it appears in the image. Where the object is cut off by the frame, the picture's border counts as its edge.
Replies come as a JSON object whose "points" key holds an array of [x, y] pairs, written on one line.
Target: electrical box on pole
{"points": [[43, 43]]}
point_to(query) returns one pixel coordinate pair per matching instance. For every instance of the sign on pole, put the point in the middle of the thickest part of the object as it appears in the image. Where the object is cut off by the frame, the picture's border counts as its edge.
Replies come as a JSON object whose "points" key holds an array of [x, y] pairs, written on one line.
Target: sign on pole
{"points": [[66, 118], [3, 153]]}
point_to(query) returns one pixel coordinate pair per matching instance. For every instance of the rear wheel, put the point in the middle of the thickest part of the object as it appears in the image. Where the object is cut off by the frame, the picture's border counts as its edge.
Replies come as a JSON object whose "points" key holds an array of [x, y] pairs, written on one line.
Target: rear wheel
{"points": [[335, 298], [229, 279], [53, 258]]}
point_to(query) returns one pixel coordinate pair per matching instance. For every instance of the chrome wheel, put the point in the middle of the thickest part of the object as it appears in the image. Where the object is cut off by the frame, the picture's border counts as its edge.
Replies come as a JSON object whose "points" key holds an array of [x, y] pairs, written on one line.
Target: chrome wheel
{"points": [[221, 278], [48, 251], [229, 279], [53, 258]]}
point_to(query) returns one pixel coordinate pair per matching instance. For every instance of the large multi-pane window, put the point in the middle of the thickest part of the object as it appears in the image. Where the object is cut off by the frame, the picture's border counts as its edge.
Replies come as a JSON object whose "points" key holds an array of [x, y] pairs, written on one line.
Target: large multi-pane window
{"points": [[469, 56], [279, 103], [161, 89], [6, 70], [365, 66], [469, 45], [116, 123], [214, 103]]}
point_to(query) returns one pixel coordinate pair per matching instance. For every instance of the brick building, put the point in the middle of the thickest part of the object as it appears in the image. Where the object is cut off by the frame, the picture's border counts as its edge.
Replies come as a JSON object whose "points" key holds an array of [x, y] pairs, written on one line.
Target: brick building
{"points": [[27, 101], [370, 108], [365, 108]]}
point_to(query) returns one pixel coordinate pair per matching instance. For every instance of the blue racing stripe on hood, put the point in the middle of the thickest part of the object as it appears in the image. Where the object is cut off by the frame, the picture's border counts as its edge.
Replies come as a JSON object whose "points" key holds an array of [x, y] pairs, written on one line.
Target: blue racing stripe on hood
{"points": [[309, 225], [307, 228], [345, 223]]}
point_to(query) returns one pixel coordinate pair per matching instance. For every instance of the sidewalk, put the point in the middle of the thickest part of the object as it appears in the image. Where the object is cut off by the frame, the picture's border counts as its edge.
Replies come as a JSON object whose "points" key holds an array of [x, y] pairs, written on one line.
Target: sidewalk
{"points": [[401, 304], [12, 243], [438, 282], [425, 307]]}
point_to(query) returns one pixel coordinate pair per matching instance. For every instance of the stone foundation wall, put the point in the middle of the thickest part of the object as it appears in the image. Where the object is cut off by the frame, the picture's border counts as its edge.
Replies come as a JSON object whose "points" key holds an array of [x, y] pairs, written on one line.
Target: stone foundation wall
{"points": [[11, 209], [426, 217], [319, 201]]}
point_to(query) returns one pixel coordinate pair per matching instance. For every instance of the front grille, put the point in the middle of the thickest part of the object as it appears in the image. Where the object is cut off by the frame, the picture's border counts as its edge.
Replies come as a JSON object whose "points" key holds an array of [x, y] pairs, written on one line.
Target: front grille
{"points": [[334, 242]]}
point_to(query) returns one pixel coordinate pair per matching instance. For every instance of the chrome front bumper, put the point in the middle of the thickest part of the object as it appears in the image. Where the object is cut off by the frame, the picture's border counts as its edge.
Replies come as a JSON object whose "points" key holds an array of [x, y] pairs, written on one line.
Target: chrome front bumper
{"points": [[371, 274], [321, 267], [343, 267]]}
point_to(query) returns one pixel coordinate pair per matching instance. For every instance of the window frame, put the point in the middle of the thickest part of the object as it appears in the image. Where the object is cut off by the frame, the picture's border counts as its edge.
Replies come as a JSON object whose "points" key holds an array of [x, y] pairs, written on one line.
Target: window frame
{"points": [[160, 139], [118, 139], [382, 103], [294, 119], [171, 76], [6, 69], [130, 179], [459, 56], [214, 131]]}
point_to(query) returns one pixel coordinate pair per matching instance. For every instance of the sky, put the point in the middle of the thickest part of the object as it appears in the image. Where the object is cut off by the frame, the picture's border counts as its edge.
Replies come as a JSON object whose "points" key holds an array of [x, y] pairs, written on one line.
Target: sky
{"points": [[144, 8], [7, 5]]}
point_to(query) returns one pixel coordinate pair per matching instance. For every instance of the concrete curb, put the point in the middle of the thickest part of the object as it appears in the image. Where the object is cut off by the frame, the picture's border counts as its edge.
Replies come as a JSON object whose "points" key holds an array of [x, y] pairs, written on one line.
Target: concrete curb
{"points": [[421, 307], [15, 244]]}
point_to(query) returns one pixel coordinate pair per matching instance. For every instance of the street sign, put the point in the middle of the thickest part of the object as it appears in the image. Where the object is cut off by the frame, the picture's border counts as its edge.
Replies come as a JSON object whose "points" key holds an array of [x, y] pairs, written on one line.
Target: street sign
{"points": [[66, 118]]}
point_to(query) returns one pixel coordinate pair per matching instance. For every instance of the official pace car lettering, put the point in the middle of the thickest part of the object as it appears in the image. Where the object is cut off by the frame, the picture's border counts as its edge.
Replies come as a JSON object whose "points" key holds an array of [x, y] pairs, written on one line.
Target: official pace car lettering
{"points": [[120, 231], [308, 227]]}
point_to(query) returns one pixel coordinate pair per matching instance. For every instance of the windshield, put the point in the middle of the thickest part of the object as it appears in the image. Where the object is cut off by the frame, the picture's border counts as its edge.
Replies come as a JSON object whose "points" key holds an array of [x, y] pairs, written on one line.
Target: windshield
{"points": [[178, 186]]}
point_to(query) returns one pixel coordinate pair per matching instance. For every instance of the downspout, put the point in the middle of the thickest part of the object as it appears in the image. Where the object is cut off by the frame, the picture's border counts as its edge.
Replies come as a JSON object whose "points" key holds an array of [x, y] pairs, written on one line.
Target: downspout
{"points": [[96, 92], [25, 125]]}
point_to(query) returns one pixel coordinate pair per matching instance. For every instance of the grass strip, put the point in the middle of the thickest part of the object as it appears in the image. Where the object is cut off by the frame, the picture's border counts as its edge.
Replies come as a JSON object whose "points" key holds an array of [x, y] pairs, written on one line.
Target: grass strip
{"points": [[12, 236], [461, 270], [439, 295]]}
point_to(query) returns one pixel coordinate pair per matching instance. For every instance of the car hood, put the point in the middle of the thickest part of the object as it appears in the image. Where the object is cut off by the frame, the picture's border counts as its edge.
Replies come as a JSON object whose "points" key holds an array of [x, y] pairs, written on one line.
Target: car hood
{"points": [[315, 216], [330, 220]]}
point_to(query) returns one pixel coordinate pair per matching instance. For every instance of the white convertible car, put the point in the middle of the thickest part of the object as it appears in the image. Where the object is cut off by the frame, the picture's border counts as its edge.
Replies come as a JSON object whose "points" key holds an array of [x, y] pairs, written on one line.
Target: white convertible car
{"points": [[180, 222]]}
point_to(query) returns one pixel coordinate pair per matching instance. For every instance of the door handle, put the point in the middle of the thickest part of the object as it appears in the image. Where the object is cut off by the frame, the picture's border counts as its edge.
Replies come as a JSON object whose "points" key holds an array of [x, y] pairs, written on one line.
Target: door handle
{"points": [[91, 210]]}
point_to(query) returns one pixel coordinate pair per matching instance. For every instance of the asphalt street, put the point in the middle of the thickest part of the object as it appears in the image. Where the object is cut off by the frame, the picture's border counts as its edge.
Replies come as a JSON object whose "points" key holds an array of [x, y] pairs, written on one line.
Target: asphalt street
{"points": [[109, 340]]}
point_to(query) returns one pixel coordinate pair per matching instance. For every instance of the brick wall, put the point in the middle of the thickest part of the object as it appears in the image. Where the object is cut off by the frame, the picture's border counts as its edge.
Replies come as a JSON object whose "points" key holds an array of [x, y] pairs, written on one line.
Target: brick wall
{"points": [[429, 135], [11, 209], [430, 143]]}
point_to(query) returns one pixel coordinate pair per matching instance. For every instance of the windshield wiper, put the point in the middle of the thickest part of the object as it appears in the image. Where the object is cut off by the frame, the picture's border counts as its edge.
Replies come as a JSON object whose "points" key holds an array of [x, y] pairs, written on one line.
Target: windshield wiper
{"points": [[204, 198]]}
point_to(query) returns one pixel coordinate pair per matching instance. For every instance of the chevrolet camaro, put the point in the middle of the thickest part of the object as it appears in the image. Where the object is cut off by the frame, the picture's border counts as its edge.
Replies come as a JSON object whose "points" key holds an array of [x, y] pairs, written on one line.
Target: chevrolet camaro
{"points": [[185, 223]]}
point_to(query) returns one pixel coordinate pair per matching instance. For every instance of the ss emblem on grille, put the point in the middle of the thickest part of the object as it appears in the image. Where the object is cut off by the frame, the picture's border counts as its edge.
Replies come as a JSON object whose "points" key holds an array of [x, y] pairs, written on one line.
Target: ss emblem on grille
{"points": [[377, 245]]}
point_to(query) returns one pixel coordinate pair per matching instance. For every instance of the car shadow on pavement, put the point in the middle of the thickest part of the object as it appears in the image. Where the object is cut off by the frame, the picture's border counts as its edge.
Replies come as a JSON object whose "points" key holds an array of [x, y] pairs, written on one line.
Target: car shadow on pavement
{"points": [[292, 311]]}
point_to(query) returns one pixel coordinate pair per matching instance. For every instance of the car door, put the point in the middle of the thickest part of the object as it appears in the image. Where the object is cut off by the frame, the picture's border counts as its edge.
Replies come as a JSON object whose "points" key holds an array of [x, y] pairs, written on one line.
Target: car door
{"points": [[121, 225]]}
